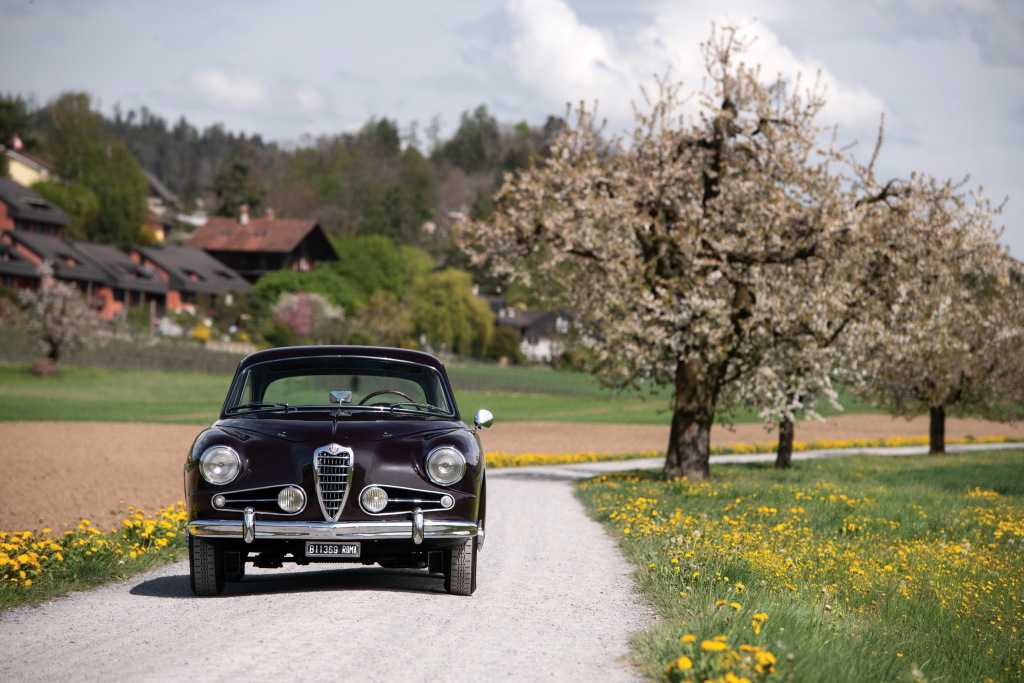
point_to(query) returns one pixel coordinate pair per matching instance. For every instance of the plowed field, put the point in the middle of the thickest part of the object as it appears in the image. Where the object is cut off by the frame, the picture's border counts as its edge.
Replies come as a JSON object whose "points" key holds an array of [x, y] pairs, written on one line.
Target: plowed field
{"points": [[53, 474]]}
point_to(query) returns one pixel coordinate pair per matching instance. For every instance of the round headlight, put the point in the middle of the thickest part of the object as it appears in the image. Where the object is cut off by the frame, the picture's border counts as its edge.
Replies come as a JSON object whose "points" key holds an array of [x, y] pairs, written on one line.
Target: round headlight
{"points": [[445, 465], [374, 499], [291, 499], [220, 465]]}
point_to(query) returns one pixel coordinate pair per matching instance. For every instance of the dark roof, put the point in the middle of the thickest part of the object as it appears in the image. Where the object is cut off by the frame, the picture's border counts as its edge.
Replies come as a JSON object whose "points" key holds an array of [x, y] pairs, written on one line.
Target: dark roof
{"points": [[24, 204], [69, 263], [13, 262], [278, 235], [193, 270], [122, 272]]}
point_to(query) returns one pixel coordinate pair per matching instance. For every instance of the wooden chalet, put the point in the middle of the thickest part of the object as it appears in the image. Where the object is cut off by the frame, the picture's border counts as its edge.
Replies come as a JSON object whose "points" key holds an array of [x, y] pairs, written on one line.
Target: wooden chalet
{"points": [[254, 246]]}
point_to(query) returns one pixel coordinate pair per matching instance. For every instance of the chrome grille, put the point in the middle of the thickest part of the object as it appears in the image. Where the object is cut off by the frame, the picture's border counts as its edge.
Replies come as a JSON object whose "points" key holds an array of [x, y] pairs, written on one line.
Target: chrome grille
{"points": [[333, 470]]}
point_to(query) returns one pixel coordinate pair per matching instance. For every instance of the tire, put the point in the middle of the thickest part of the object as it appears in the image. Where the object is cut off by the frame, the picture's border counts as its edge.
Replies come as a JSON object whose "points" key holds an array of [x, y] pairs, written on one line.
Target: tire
{"points": [[460, 568], [206, 567]]}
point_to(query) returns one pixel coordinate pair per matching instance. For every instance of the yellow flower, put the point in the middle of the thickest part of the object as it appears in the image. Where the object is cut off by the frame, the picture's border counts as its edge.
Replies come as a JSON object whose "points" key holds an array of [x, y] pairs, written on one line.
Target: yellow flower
{"points": [[688, 638], [764, 662], [684, 663], [734, 605], [713, 646]]}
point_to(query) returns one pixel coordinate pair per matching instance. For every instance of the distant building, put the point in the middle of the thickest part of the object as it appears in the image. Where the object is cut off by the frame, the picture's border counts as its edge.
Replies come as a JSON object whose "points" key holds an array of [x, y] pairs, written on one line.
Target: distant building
{"points": [[164, 278], [541, 333], [189, 273], [254, 246], [24, 210], [109, 280], [27, 169]]}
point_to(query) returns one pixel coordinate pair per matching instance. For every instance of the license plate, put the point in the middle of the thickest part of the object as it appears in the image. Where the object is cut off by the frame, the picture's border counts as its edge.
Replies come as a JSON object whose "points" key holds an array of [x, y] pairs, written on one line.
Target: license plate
{"points": [[332, 549]]}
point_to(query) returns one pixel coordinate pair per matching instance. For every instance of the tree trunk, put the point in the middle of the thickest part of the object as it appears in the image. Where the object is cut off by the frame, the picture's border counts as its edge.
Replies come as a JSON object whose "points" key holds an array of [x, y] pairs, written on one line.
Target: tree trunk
{"points": [[784, 455], [689, 443], [937, 431]]}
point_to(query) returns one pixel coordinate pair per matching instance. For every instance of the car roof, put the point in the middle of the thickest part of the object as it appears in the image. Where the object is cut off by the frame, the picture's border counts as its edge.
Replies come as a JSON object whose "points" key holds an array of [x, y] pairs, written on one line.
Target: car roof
{"points": [[322, 351]]}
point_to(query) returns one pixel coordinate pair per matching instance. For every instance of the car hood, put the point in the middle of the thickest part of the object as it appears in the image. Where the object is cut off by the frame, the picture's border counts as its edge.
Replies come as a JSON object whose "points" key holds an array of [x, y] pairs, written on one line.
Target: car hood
{"points": [[298, 431]]}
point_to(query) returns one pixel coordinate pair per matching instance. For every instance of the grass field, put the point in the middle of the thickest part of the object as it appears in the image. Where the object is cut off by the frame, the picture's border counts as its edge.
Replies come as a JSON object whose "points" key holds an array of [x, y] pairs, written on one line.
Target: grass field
{"points": [[860, 569], [512, 394]]}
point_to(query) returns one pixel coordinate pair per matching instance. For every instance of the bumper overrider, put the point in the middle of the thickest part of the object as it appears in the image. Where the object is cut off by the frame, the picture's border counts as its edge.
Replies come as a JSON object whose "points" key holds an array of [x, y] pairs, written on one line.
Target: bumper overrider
{"points": [[416, 529]]}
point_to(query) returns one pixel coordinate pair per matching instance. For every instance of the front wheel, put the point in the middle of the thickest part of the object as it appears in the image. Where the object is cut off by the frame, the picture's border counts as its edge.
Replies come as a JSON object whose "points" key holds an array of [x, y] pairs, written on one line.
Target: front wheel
{"points": [[460, 568], [206, 567]]}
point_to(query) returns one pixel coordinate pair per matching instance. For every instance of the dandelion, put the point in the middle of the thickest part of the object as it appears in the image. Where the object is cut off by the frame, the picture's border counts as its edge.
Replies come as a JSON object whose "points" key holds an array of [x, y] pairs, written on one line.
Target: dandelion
{"points": [[688, 638], [713, 646], [764, 662]]}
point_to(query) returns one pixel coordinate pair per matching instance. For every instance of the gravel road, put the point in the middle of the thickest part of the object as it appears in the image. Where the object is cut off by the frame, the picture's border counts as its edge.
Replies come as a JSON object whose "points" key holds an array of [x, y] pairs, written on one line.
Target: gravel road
{"points": [[554, 602]]}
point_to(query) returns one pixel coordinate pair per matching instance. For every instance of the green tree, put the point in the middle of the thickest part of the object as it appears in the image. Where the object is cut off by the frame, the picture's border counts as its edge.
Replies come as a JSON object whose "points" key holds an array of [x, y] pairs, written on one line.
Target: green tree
{"points": [[474, 147], [77, 200], [16, 119], [234, 185], [374, 263], [339, 290], [385, 320], [83, 154], [450, 315]]}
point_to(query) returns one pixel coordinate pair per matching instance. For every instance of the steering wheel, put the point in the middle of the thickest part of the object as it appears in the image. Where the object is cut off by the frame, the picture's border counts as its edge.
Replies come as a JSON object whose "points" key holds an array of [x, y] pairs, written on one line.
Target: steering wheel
{"points": [[386, 391]]}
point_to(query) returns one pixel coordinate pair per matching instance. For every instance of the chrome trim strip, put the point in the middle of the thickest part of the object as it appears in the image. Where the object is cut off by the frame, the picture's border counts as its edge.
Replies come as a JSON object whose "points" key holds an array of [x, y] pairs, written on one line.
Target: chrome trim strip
{"points": [[345, 531], [389, 489]]}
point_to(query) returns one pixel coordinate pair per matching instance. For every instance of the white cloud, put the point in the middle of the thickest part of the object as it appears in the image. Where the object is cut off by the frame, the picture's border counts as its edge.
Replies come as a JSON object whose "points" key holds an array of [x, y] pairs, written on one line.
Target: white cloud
{"points": [[234, 91], [567, 61], [563, 59]]}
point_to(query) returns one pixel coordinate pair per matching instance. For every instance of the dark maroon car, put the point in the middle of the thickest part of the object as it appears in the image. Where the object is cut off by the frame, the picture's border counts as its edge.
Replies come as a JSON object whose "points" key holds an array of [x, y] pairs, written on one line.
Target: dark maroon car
{"points": [[337, 454]]}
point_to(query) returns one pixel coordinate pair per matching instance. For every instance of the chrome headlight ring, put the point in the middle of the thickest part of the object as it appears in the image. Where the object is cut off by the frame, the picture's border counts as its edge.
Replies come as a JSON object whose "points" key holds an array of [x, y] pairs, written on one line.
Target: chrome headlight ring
{"points": [[445, 465]]}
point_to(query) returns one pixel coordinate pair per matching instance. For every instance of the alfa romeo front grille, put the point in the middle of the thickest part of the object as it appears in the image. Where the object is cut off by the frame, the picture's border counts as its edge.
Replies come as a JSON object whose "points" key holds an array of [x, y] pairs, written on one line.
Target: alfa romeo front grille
{"points": [[332, 465]]}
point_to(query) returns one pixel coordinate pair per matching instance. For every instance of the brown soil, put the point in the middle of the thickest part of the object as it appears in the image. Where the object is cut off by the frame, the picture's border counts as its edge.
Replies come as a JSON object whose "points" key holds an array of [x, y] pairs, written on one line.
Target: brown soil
{"points": [[56, 473]]}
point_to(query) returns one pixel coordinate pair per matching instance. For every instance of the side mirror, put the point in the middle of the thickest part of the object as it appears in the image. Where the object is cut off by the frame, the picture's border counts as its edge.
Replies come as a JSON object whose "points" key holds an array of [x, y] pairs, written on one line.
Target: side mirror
{"points": [[341, 397], [483, 419]]}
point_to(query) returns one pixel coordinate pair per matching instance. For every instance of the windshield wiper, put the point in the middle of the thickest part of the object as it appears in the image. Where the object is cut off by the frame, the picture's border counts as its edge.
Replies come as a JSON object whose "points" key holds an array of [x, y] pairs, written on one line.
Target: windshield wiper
{"points": [[422, 406], [259, 404]]}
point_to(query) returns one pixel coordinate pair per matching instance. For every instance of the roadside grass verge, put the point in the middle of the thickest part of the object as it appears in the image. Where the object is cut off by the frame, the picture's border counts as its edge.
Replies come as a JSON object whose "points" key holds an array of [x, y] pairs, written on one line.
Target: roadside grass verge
{"points": [[499, 459], [38, 565], [858, 569]]}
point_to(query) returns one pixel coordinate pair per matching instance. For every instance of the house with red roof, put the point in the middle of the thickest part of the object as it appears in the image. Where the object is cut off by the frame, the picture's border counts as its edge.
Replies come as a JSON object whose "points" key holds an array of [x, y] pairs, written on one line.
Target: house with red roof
{"points": [[254, 246]]}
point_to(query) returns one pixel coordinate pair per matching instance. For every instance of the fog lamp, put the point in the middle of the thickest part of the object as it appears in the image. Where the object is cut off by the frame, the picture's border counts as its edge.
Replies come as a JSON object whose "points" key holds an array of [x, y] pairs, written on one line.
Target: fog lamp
{"points": [[291, 499], [219, 500], [373, 499], [447, 501]]}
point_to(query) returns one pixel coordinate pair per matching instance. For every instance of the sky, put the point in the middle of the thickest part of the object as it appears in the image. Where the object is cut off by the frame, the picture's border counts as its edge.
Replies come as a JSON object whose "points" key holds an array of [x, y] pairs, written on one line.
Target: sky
{"points": [[948, 75]]}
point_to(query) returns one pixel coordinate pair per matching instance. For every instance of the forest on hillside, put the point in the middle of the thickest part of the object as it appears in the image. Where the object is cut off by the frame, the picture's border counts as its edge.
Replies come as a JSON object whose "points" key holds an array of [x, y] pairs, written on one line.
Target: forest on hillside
{"points": [[378, 180]]}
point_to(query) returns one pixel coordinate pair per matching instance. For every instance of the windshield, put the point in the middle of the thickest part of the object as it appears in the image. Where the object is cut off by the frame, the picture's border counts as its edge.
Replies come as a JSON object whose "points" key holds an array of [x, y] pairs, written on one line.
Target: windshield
{"points": [[308, 383]]}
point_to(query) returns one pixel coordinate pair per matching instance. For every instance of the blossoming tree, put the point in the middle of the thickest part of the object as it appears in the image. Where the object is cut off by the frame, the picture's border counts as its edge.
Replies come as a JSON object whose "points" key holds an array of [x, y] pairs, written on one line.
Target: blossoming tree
{"points": [[683, 253], [58, 316], [951, 333]]}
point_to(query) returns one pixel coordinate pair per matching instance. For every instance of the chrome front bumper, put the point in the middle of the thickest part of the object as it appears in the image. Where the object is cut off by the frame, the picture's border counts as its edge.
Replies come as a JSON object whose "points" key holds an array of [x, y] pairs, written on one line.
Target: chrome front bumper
{"points": [[415, 529]]}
